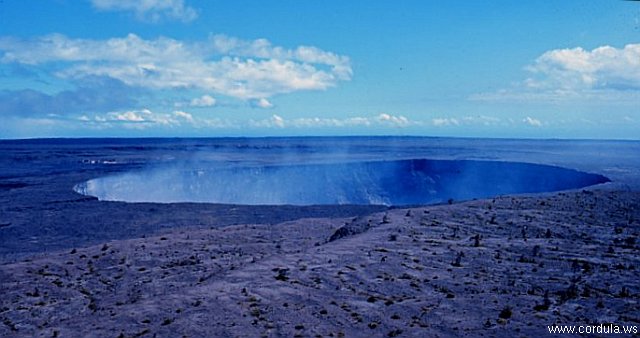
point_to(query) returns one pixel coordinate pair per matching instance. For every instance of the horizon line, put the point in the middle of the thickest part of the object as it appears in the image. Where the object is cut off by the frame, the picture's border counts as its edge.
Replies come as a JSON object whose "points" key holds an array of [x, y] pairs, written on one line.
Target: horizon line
{"points": [[312, 136]]}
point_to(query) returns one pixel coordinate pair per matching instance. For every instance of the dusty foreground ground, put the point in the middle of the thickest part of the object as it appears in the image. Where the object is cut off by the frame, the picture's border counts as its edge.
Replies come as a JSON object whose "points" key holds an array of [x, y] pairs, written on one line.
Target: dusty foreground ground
{"points": [[503, 267]]}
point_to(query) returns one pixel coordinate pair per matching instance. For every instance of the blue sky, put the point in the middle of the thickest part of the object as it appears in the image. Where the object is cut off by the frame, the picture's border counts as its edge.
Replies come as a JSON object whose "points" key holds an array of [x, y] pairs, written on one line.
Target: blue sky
{"points": [[541, 69]]}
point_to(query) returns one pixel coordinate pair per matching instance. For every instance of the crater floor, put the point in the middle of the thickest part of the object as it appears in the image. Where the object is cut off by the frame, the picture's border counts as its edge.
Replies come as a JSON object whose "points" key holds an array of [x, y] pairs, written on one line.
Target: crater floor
{"points": [[396, 183]]}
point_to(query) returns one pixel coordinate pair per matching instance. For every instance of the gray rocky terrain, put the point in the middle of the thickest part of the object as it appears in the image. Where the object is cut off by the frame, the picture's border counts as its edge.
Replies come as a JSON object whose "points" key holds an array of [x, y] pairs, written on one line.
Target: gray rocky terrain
{"points": [[506, 267]]}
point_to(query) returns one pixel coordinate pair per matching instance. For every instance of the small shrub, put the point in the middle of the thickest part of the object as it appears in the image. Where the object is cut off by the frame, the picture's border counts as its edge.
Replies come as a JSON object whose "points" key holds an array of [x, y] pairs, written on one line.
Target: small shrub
{"points": [[458, 261], [394, 333], [547, 234], [505, 313], [624, 293]]}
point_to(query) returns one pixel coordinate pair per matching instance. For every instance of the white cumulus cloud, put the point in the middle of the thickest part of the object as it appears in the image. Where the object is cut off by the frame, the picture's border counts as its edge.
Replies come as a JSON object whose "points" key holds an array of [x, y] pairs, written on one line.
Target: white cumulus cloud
{"points": [[470, 120], [320, 122], [532, 122], [183, 115], [444, 121], [262, 48], [601, 68], [604, 73], [150, 10], [144, 115], [396, 121], [249, 70], [146, 118], [262, 103], [140, 118], [203, 101], [276, 121]]}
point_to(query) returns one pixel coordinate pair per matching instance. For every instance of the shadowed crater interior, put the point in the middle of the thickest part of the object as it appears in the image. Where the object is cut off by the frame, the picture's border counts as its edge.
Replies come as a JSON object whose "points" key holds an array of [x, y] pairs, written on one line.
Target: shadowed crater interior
{"points": [[403, 182]]}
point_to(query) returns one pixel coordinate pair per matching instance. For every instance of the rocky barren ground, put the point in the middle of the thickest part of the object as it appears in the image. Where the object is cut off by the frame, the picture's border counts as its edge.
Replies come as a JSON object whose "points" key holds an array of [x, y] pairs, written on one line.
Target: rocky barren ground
{"points": [[506, 267], [73, 266]]}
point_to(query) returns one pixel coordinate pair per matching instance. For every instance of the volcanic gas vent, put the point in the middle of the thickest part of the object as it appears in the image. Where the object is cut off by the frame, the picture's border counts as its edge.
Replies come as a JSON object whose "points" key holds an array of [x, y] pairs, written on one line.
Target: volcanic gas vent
{"points": [[402, 182]]}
